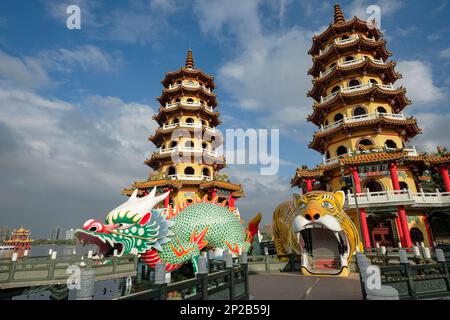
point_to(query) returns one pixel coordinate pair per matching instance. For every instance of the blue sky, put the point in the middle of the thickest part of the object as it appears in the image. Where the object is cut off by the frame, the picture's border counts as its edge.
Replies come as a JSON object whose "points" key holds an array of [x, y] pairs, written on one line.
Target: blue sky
{"points": [[76, 105]]}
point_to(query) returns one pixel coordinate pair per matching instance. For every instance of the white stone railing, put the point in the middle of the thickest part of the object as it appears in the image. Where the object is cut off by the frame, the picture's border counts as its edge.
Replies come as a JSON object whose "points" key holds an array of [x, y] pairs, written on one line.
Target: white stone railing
{"points": [[364, 117], [211, 153], [398, 197], [182, 125], [348, 63], [336, 41], [359, 87], [189, 177], [188, 85]]}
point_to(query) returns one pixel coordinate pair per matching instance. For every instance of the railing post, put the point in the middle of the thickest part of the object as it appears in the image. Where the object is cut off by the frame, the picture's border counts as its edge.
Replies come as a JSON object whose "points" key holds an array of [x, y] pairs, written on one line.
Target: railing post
{"points": [[440, 257], [52, 265], [244, 264], [203, 275], [160, 280], [229, 268], [12, 266], [266, 259], [407, 269]]}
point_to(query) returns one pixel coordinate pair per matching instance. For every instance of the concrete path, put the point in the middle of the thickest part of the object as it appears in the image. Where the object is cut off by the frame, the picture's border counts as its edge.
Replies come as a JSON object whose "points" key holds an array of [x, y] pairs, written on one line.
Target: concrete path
{"points": [[294, 286]]}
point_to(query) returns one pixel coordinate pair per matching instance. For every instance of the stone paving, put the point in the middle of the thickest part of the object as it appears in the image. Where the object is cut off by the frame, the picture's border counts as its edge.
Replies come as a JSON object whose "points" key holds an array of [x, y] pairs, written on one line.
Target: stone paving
{"points": [[294, 286]]}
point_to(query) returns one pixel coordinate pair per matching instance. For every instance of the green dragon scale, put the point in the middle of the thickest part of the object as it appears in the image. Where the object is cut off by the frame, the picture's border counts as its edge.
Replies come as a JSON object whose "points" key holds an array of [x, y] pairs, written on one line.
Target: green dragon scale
{"points": [[171, 235]]}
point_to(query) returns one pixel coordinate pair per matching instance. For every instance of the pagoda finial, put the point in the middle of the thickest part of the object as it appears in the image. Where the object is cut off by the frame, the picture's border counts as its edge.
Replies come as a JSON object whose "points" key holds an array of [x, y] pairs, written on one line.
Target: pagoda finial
{"points": [[338, 15], [189, 59]]}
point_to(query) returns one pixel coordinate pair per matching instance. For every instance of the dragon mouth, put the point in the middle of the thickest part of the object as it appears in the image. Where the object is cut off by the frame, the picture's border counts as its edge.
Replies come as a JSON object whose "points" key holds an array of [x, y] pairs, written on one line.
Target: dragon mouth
{"points": [[323, 244], [106, 245]]}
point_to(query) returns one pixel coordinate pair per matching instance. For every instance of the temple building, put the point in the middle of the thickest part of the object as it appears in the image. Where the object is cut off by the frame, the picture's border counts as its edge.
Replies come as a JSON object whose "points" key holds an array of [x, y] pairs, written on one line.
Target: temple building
{"points": [[394, 194], [20, 239], [186, 161]]}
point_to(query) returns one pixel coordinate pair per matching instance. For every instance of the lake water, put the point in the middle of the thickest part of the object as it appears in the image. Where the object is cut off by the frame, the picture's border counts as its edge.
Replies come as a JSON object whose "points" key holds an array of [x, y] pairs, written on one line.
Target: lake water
{"points": [[104, 290]]}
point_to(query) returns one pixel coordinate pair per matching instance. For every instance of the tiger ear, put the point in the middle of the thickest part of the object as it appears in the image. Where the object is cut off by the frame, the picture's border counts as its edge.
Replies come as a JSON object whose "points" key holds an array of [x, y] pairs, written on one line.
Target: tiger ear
{"points": [[340, 197]]}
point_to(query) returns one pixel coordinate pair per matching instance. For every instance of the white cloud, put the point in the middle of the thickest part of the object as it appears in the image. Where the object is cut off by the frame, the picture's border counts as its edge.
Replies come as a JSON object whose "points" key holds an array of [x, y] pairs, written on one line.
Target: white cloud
{"points": [[418, 80], [85, 57], [445, 53], [69, 161], [435, 131], [358, 8], [25, 72], [268, 75]]}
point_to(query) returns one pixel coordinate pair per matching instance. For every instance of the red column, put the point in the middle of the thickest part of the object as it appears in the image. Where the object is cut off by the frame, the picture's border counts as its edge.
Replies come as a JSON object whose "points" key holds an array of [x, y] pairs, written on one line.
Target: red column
{"points": [[231, 201], [445, 177], [167, 200], [429, 232], [401, 210], [362, 212], [213, 193], [309, 185], [399, 229]]}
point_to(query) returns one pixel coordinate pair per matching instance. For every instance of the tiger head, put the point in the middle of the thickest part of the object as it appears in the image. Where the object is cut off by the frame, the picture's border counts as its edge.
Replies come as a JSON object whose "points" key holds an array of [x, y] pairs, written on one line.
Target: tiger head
{"points": [[325, 235]]}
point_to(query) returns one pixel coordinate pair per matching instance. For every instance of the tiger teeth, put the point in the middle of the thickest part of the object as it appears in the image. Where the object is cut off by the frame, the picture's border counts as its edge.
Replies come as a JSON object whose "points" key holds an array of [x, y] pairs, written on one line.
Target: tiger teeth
{"points": [[336, 234]]}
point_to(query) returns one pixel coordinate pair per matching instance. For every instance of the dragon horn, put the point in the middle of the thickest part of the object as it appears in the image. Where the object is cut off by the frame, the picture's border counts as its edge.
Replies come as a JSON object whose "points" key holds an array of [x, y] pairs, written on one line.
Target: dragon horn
{"points": [[133, 195]]}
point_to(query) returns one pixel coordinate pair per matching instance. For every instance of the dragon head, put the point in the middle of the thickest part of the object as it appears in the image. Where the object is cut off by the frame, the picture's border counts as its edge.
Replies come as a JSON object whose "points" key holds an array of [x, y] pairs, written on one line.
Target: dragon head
{"points": [[133, 227]]}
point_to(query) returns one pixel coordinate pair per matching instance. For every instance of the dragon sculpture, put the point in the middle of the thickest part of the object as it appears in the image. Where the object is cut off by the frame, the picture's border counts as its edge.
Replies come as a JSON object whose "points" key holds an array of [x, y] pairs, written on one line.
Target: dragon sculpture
{"points": [[173, 236], [315, 225]]}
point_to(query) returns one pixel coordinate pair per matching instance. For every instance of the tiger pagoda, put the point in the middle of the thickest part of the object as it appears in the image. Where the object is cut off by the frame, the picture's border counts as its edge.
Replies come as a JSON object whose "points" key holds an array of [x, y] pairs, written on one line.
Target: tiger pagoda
{"points": [[395, 195], [186, 161]]}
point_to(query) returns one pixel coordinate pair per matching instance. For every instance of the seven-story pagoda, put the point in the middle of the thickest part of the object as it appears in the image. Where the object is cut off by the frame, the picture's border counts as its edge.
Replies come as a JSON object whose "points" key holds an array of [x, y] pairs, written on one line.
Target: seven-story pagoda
{"points": [[186, 162], [363, 136]]}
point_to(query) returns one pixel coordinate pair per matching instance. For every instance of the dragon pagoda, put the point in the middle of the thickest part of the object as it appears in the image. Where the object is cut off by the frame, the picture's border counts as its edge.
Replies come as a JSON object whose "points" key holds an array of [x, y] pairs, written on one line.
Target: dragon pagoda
{"points": [[186, 161]]}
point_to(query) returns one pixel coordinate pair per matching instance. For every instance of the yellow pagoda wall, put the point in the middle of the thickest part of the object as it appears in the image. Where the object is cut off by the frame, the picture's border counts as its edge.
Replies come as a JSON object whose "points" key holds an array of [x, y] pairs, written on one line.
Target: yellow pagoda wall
{"points": [[347, 111]]}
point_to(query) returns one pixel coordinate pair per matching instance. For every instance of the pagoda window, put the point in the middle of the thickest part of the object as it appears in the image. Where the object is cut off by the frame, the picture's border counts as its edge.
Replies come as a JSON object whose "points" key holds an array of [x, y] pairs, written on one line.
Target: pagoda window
{"points": [[416, 235], [327, 155], [202, 102], [190, 100], [176, 120], [345, 37], [403, 185], [341, 150], [359, 111], [390, 144], [354, 83], [189, 144], [206, 172], [338, 117], [381, 109], [374, 186], [335, 89], [177, 100], [333, 65], [173, 144], [373, 81], [189, 120], [179, 82], [171, 171], [204, 145], [190, 82], [189, 171], [349, 58]]}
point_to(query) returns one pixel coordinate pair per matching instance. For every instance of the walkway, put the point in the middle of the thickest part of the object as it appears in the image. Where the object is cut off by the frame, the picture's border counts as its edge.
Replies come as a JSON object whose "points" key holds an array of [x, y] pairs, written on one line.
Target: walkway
{"points": [[294, 286]]}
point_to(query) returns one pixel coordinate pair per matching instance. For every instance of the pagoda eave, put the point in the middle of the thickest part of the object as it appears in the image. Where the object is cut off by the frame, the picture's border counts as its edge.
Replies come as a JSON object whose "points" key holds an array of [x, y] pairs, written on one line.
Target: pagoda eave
{"points": [[355, 24], [188, 72], [213, 116]]}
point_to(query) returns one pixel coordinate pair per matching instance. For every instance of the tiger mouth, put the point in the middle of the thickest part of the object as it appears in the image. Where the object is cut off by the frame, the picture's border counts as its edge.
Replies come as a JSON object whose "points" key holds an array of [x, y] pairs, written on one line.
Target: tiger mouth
{"points": [[318, 236], [106, 246]]}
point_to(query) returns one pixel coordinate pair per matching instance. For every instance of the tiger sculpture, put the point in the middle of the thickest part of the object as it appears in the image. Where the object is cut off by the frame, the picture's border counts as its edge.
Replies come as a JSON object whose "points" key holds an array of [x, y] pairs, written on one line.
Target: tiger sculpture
{"points": [[316, 216]]}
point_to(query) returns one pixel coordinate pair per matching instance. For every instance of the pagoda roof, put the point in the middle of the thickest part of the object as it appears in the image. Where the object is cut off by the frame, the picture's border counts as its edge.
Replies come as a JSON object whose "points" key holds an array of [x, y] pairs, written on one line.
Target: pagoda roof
{"points": [[177, 184], [397, 96], [338, 50], [182, 89], [409, 125], [213, 116], [355, 24], [185, 72], [369, 158], [366, 65], [162, 134], [157, 159]]}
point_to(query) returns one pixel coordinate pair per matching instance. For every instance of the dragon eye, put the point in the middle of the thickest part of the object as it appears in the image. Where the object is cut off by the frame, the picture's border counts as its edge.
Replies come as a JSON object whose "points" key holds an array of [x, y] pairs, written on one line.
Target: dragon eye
{"points": [[121, 225], [327, 204]]}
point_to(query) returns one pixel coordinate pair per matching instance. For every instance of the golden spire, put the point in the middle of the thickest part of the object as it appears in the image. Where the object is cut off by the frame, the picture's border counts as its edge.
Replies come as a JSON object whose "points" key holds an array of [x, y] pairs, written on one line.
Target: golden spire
{"points": [[338, 15], [189, 60]]}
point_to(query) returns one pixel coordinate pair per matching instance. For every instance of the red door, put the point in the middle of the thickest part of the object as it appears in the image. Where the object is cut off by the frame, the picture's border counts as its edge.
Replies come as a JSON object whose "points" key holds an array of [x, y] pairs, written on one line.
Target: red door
{"points": [[382, 235]]}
